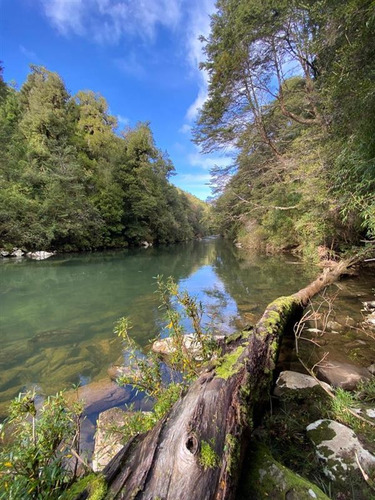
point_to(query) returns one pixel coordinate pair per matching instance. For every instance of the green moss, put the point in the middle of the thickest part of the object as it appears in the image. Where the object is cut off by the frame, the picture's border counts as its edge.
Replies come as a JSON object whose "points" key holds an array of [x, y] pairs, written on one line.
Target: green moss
{"points": [[228, 366], [322, 433], [94, 484], [264, 477], [232, 449], [208, 457], [278, 312]]}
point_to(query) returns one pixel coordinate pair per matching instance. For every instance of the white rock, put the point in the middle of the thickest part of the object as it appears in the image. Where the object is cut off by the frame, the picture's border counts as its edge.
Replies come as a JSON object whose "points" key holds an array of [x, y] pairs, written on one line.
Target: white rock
{"points": [[40, 255], [337, 446], [370, 413], [289, 380], [17, 252]]}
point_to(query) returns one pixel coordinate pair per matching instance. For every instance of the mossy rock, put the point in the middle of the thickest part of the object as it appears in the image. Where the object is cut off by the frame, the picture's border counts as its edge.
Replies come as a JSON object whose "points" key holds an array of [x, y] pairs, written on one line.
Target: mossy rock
{"points": [[94, 484], [264, 477]]}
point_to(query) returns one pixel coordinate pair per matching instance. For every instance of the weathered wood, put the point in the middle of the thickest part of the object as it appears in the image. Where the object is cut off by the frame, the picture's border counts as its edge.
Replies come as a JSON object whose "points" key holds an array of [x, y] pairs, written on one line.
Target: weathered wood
{"points": [[217, 413]]}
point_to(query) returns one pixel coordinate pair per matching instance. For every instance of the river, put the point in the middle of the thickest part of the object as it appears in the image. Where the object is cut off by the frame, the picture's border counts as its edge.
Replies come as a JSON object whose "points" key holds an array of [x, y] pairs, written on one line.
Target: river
{"points": [[57, 316]]}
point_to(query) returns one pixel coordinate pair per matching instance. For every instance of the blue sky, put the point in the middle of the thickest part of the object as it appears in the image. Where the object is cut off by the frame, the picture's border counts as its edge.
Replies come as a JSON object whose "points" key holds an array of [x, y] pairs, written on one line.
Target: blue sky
{"points": [[141, 55]]}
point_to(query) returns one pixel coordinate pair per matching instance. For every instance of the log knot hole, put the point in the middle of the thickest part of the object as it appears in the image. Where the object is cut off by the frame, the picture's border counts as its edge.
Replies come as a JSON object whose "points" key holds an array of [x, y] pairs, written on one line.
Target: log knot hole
{"points": [[192, 444]]}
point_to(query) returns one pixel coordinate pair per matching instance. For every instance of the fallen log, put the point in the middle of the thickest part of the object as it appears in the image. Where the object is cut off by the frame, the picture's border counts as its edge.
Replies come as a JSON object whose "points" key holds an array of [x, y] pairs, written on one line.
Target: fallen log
{"points": [[196, 451]]}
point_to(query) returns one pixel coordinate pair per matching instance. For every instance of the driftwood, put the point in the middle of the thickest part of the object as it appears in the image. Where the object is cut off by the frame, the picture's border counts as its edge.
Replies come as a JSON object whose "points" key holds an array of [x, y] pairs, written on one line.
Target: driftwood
{"points": [[216, 415]]}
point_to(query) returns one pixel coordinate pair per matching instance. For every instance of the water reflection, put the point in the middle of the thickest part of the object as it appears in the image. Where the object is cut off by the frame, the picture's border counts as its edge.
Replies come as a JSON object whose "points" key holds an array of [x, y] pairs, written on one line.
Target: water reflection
{"points": [[57, 316]]}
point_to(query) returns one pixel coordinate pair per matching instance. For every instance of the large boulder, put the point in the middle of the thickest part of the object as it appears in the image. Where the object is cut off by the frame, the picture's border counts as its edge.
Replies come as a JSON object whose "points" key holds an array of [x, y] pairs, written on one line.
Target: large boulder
{"points": [[342, 374], [108, 437], [338, 448], [290, 382]]}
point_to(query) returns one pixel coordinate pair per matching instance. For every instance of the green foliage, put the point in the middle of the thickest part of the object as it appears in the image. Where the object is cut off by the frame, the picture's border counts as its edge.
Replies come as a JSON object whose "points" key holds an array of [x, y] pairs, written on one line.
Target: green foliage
{"points": [[36, 443], [303, 174], [208, 458], [69, 181]]}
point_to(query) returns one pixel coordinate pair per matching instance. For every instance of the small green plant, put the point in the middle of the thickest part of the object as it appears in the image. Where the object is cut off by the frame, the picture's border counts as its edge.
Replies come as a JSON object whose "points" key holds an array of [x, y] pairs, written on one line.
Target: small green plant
{"points": [[340, 405], [366, 390], [208, 457], [35, 445]]}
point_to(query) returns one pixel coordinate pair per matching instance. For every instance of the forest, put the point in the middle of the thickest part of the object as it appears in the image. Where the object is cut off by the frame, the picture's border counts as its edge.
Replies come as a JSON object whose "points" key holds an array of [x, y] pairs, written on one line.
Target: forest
{"points": [[292, 93], [70, 181]]}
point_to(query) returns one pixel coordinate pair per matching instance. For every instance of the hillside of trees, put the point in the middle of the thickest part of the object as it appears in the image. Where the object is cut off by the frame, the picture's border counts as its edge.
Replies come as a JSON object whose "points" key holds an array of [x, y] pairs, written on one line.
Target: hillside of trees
{"points": [[70, 182], [292, 92]]}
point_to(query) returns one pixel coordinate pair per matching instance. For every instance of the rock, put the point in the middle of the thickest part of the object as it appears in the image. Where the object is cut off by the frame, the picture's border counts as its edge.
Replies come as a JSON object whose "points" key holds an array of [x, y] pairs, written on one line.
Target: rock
{"points": [[294, 381], [264, 477], [116, 371], [340, 374], [99, 396], [337, 447], [146, 244], [371, 368], [17, 252], [108, 437], [334, 326], [369, 306], [370, 320], [4, 253], [165, 346], [40, 255]]}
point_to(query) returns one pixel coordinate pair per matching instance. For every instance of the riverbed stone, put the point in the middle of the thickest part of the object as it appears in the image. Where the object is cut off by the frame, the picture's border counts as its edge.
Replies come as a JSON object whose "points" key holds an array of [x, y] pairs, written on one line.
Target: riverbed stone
{"points": [[165, 346], [100, 395], [371, 368], [342, 374], [289, 381], [17, 252], [108, 437], [337, 446]]}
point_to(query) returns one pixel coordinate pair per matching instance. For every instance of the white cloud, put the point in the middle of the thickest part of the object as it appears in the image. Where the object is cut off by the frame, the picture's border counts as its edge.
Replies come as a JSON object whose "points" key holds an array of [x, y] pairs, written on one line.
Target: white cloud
{"points": [[207, 162], [185, 129], [29, 54], [130, 65], [106, 21], [123, 120]]}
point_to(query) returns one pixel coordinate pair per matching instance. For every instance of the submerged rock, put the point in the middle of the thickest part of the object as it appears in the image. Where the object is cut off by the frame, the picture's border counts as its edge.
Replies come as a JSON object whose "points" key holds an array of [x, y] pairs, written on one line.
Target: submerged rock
{"points": [[294, 381], [337, 447], [340, 374], [99, 396], [108, 437]]}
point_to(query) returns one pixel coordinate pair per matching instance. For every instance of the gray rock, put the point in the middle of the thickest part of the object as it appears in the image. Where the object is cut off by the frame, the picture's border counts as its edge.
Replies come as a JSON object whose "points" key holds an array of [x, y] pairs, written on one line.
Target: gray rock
{"points": [[338, 448], [166, 347], [340, 374], [369, 306], [371, 368], [40, 255], [294, 381], [4, 253], [108, 437]]}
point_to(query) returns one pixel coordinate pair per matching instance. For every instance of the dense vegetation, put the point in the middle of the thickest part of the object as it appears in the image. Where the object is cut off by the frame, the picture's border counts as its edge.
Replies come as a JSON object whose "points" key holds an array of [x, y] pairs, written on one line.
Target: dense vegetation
{"points": [[70, 182], [292, 91]]}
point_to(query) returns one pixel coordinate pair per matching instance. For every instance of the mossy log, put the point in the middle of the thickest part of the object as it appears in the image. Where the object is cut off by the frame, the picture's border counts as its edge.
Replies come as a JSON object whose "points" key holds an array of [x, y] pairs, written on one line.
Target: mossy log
{"points": [[196, 451]]}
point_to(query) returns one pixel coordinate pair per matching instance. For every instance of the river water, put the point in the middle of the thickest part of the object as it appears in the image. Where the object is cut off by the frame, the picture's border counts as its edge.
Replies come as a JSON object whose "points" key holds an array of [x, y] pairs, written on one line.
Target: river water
{"points": [[57, 316]]}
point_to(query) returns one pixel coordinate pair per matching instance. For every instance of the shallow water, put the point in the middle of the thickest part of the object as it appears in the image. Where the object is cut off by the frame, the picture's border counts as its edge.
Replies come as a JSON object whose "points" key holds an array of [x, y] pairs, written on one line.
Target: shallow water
{"points": [[57, 316]]}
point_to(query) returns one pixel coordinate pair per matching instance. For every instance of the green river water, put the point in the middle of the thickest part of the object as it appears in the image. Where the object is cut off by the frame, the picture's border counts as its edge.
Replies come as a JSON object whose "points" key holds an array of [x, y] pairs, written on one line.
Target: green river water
{"points": [[57, 316]]}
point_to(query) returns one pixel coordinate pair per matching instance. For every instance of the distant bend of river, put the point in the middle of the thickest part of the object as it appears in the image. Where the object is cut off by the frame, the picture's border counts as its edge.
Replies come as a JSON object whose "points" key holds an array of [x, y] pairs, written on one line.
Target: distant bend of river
{"points": [[57, 316]]}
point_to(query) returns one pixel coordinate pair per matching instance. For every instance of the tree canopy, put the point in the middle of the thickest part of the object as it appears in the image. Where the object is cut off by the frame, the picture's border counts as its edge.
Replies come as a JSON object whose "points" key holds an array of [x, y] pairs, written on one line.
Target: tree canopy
{"points": [[70, 181], [292, 89]]}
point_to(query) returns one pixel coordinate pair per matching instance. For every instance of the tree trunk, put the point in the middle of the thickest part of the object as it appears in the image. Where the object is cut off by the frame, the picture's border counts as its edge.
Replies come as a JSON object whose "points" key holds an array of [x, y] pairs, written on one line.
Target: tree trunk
{"points": [[196, 451]]}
